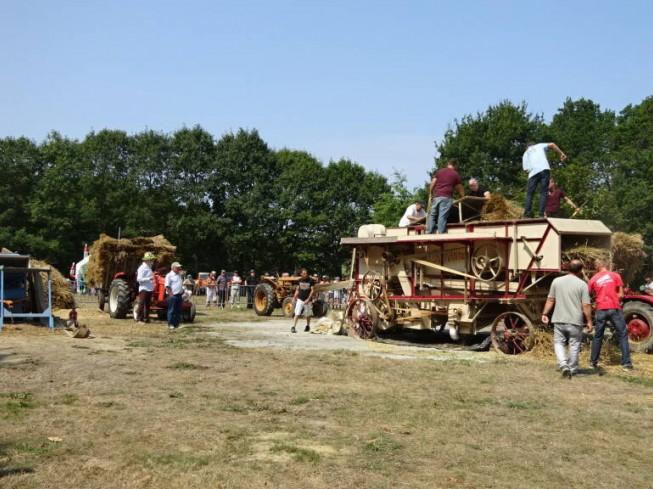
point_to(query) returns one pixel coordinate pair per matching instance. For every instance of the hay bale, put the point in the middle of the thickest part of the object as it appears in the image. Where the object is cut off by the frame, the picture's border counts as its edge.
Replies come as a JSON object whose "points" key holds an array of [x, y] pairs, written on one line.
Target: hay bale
{"points": [[62, 296], [543, 349], [628, 255], [110, 255], [498, 208]]}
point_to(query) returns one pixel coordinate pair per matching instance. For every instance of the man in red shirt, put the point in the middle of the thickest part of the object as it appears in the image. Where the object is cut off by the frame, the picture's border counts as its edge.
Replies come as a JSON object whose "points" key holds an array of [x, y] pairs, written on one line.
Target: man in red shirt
{"points": [[444, 181], [608, 289], [554, 200]]}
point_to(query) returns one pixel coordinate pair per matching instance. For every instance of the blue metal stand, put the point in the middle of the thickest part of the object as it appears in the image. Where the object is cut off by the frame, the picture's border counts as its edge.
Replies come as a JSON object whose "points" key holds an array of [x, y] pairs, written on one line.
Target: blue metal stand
{"points": [[6, 313]]}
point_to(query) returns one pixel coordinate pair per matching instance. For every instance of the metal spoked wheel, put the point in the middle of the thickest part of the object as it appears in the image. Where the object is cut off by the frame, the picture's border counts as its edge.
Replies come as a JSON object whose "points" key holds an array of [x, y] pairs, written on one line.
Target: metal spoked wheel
{"points": [[487, 262], [362, 318], [372, 285], [512, 333]]}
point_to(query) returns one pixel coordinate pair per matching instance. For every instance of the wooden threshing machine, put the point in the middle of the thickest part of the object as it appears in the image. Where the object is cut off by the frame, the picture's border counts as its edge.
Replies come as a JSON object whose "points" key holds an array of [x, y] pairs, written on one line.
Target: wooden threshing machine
{"points": [[480, 277]]}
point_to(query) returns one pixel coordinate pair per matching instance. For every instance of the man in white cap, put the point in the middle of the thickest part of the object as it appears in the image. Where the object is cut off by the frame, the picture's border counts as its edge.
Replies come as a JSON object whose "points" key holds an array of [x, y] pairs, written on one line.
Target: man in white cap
{"points": [[175, 291], [145, 279]]}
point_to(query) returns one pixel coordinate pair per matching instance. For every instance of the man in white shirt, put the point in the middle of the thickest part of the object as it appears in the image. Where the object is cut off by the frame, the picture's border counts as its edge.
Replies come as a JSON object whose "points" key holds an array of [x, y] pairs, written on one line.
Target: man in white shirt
{"points": [[235, 290], [536, 164], [175, 291], [145, 279], [414, 214]]}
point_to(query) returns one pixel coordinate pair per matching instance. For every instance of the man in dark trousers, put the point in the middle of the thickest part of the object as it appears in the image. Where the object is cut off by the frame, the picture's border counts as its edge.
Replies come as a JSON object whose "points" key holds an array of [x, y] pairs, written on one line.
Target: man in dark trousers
{"points": [[221, 285], [251, 282], [444, 181], [302, 300], [608, 290], [535, 163]]}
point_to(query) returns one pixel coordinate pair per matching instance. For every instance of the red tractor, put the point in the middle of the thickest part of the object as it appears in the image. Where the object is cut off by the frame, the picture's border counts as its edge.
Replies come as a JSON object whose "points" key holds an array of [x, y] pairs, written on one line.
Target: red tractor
{"points": [[638, 311], [112, 270], [123, 290]]}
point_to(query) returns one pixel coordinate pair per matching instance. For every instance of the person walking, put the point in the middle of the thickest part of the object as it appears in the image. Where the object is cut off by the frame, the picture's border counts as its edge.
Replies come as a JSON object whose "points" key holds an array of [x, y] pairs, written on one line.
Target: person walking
{"points": [[221, 285], [211, 285], [251, 282], [570, 300], [608, 290], [235, 290], [145, 279], [302, 300], [535, 163], [175, 291], [443, 184]]}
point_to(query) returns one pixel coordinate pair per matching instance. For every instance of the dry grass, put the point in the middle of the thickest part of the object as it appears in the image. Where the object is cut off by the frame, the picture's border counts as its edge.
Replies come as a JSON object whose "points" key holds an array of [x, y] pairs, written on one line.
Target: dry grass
{"points": [[137, 407]]}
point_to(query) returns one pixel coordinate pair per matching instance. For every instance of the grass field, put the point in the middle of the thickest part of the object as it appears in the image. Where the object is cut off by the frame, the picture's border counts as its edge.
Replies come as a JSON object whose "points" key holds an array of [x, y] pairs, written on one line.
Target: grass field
{"points": [[138, 407]]}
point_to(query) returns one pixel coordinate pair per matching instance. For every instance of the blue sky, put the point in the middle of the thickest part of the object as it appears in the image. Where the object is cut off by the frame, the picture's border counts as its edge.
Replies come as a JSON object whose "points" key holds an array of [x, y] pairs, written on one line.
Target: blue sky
{"points": [[373, 81]]}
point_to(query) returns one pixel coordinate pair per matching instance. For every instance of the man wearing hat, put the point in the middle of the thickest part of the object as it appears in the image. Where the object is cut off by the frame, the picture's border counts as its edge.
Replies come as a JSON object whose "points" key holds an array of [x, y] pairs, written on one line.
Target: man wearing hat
{"points": [[145, 279], [175, 291]]}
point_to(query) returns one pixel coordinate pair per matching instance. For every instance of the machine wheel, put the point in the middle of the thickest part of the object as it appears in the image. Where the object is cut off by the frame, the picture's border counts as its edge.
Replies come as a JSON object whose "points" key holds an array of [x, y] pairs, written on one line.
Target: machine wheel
{"points": [[287, 307], [639, 323], [119, 299], [101, 299], [372, 285], [319, 308], [487, 262], [264, 299], [362, 319], [512, 333], [188, 315]]}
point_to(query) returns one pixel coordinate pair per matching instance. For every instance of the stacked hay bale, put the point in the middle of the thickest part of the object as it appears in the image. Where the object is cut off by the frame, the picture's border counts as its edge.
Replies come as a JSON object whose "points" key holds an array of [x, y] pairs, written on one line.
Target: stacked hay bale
{"points": [[626, 254], [62, 295], [110, 255], [498, 208]]}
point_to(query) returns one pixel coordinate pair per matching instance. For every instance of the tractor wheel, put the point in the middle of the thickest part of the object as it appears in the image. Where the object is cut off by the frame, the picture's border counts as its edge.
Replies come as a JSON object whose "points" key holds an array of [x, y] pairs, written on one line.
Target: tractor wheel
{"points": [[119, 299], [362, 319], [319, 308], [101, 299], [512, 333], [188, 315], [264, 299], [287, 307], [639, 323]]}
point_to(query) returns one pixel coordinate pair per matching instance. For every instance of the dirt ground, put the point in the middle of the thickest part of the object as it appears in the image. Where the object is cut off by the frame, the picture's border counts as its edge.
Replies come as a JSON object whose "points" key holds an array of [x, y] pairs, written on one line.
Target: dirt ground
{"points": [[236, 401]]}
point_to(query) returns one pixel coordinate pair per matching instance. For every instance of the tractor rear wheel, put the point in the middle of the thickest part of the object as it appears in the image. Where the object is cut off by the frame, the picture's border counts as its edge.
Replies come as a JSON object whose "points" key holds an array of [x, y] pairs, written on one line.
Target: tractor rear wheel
{"points": [[188, 315], [287, 307], [639, 323], [119, 299], [101, 299], [512, 333], [319, 308], [264, 299]]}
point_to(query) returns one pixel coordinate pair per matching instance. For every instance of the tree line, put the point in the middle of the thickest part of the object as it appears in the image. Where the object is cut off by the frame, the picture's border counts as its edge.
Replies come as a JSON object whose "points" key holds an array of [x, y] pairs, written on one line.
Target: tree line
{"points": [[235, 203]]}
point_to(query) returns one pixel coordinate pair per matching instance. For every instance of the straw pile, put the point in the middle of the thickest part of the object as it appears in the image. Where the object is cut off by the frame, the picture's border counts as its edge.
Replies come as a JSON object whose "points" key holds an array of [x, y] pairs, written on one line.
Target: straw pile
{"points": [[543, 348], [627, 253], [497, 208], [110, 255], [62, 296]]}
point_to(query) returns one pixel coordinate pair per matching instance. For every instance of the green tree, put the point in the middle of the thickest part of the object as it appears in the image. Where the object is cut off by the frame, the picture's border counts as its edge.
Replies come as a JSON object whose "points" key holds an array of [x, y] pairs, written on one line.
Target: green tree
{"points": [[490, 145]]}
